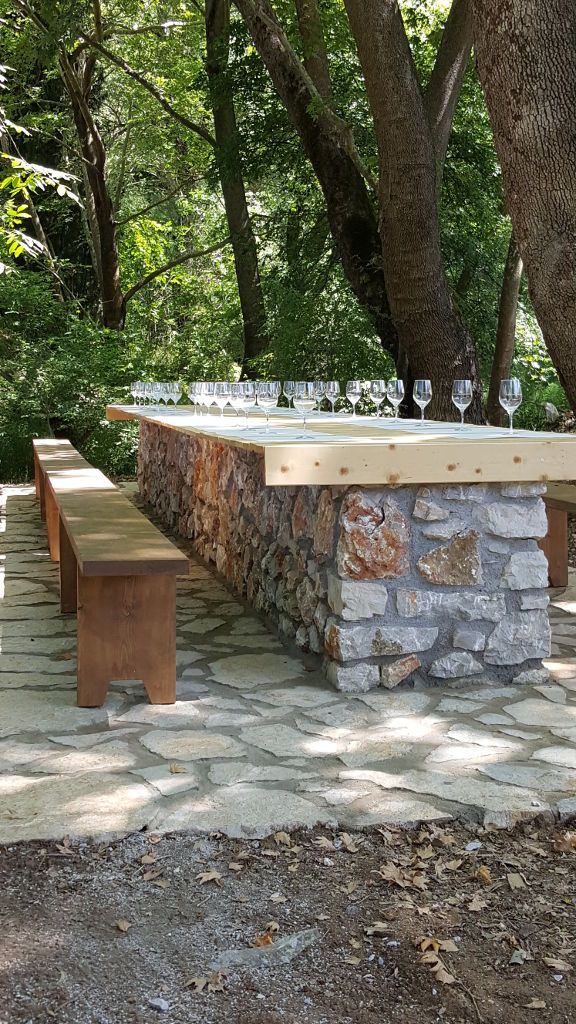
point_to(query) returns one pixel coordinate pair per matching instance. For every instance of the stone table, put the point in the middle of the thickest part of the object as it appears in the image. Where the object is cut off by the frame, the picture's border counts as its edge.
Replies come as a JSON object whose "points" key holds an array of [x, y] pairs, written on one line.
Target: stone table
{"points": [[397, 550]]}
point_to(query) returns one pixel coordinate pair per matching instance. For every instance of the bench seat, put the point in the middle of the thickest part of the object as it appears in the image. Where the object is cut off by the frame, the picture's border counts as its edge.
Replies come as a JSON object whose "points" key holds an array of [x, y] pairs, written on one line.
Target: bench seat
{"points": [[117, 572]]}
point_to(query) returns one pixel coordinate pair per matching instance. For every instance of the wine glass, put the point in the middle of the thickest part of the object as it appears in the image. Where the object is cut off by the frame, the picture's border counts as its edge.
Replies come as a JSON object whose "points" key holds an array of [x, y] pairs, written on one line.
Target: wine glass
{"points": [[268, 394], [135, 390], [462, 396], [510, 397], [354, 394], [288, 390], [378, 393], [237, 398], [222, 392], [176, 389], [422, 395], [208, 395], [156, 390], [395, 394], [304, 398], [332, 392], [249, 392], [319, 393]]}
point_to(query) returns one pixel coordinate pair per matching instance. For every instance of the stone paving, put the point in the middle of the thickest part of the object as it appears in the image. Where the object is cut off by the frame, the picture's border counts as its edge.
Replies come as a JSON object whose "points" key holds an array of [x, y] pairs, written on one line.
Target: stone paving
{"points": [[258, 740]]}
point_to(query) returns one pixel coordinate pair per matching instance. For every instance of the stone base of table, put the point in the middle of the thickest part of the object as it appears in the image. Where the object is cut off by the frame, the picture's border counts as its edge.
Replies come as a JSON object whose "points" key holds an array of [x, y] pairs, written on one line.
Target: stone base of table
{"points": [[391, 585]]}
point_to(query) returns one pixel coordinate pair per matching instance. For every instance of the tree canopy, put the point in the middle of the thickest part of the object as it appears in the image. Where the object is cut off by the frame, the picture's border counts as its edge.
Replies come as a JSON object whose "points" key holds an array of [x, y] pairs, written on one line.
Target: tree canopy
{"points": [[309, 188]]}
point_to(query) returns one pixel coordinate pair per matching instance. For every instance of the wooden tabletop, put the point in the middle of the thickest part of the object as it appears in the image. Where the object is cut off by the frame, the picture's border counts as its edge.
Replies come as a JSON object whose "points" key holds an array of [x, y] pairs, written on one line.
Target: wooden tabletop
{"points": [[340, 450]]}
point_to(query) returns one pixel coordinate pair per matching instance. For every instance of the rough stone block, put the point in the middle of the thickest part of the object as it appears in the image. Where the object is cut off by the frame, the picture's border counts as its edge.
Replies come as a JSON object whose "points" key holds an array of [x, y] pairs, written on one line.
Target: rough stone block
{"points": [[517, 490], [444, 530], [394, 674], [469, 639], [415, 603], [348, 643], [455, 665], [429, 511], [353, 678], [528, 602], [456, 564], [374, 537], [463, 492], [526, 570], [307, 600], [324, 522], [356, 599], [532, 677], [520, 520], [519, 637]]}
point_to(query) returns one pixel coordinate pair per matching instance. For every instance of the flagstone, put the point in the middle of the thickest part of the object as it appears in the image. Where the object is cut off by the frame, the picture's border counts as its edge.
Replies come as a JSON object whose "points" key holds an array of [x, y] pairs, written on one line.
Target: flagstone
{"points": [[390, 705], [454, 706], [464, 753], [501, 805], [181, 715], [28, 612], [553, 693], [535, 711], [233, 772], [493, 719], [528, 777], [33, 663], [22, 680], [245, 671], [81, 741], [200, 626], [284, 741], [302, 696], [240, 811], [47, 597], [191, 745], [392, 809], [230, 720], [12, 588], [563, 756], [32, 645], [84, 805], [47, 711], [370, 748], [342, 716], [14, 752], [469, 734], [167, 781], [51, 629], [116, 755]]}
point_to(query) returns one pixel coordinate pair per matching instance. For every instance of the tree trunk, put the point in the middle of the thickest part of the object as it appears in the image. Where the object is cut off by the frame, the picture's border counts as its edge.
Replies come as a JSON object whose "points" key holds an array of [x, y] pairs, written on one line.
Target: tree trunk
{"points": [[428, 325], [443, 90], [315, 56], [328, 143], [526, 53], [256, 339], [98, 200], [505, 332]]}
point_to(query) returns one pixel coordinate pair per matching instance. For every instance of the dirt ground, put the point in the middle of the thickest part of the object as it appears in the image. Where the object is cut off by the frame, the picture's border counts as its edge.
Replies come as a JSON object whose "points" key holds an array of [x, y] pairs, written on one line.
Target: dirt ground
{"points": [[447, 924]]}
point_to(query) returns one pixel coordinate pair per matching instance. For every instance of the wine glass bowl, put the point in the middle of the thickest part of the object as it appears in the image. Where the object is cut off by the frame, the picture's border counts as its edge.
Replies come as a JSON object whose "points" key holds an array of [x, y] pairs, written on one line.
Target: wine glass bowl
{"points": [[304, 398], [269, 392], [378, 393], [354, 394], [332, 392], [462, 396], [395, 394], [510, 397], [422, 395]]}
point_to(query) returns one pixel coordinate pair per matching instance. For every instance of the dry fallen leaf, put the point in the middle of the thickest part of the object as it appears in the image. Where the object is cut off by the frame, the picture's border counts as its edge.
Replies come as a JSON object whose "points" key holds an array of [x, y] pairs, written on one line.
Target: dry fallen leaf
{"points": [[277, 897], [483, 875], [350, 887], [282, 839], [355, 944], [162, 883], [212, 983], [349, 844], [477, 904], [558, 965], [265, 939], [148, 858], [208, 876], [293, 867], [379, 928], [234, 866], [151, 875], [515, 880], [438, 968], [122, 925], [269, 853], [177, 769], [353, 960], [535, 1004], [154, 838], [324, 843]]}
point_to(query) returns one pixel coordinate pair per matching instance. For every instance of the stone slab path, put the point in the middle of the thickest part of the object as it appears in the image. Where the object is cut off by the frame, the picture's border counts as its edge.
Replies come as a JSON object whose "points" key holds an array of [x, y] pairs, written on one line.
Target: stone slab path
{"points": [[257, 741]]}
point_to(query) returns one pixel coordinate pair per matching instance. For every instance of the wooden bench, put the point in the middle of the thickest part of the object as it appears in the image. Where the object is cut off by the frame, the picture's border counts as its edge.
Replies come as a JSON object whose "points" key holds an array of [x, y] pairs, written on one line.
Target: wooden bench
{"points": [[560, 500], [118, 572]]}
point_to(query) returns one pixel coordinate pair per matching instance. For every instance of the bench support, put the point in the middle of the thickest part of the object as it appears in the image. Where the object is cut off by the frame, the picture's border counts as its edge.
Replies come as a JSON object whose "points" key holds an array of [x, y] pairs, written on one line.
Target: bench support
{"points": [[555, 546], [52, 521], [39, 485], [68, 574], [126, 630]]}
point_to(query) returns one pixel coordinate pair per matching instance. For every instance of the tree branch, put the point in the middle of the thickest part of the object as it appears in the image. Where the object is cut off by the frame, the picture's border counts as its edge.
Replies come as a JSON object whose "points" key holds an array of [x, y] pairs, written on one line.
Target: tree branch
{"points": [[443, 89], [152, 89], [183, 258], [152, 206]]}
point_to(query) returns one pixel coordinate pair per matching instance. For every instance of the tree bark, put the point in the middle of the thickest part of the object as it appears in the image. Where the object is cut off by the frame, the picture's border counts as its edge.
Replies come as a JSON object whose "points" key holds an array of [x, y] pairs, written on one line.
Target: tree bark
{"points": [[256, 340], [327, 141], [526, 54], [428, 324], [443, 89], [505, 332], [99, 202], [315, 56]]}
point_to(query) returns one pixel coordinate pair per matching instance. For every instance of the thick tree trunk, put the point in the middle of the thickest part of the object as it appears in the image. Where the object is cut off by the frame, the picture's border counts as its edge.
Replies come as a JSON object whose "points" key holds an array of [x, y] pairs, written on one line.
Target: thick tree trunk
{"points": [[328, 143], [315, 56], [505, 332], [98, 200], [443, 90], [526, 53], [256, 339], [428, 324]]}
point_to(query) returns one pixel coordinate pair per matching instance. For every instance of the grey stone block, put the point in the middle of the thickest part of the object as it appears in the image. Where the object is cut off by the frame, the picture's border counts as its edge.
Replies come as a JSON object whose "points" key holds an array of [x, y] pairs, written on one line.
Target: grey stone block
{"points": [[469, 639], [520, 520], [462, 605], [356, 599], [455, 665], [519, 637], [526, 570]]}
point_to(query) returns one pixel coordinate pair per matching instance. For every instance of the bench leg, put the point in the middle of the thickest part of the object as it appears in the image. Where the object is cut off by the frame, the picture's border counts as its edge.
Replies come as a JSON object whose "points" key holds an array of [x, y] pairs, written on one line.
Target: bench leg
{"points": [[555, 547], [52, 522], [126, 630], [39, 486], [68, 574]]}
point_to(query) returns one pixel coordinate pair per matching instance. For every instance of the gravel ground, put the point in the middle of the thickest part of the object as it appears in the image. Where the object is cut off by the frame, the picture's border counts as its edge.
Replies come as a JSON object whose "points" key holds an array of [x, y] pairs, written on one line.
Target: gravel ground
{"points": [[446, 924]]}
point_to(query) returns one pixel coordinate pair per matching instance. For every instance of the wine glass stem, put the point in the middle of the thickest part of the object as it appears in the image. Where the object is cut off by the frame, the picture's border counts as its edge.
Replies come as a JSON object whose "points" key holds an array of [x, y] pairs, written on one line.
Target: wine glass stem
{"points": [[462, 418], [511, 418], [422, 414]]}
